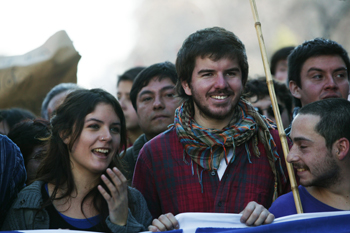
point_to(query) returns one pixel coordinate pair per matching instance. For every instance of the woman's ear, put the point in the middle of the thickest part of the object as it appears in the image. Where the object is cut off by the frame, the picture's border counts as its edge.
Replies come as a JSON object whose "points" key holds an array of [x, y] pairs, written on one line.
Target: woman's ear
{"points": [[341, 147], [64, 137]]}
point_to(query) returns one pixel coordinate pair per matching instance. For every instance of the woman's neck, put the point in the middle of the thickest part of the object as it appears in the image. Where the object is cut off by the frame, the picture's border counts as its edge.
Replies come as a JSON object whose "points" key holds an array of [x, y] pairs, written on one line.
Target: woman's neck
{"points": [[71, 205]]}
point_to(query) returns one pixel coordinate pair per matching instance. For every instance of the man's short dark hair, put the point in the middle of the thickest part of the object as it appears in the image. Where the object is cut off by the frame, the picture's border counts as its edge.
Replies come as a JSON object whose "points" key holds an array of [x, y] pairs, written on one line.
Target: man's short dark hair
{"points": [[215, 43], [335, 118], [313, 48], [130, 74], [281, 54], [161, 70], [258, 87]]}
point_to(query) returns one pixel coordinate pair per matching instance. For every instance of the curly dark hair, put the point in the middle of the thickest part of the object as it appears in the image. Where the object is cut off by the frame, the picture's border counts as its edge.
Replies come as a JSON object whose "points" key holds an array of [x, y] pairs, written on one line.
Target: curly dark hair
{"points": [[258, 87]]}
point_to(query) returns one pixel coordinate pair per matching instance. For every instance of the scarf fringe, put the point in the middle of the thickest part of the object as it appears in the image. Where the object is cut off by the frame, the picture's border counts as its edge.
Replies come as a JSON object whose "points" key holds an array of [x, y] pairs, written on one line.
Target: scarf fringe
{"points": [[192, 168], [248, 152], [200, 178], [246, 124], [184, 158]]}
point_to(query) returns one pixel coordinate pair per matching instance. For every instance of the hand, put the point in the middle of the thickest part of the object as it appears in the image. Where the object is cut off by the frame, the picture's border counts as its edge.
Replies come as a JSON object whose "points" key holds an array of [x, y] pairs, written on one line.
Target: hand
{"points": [[165, 222], [118, 200], [255, 214]]}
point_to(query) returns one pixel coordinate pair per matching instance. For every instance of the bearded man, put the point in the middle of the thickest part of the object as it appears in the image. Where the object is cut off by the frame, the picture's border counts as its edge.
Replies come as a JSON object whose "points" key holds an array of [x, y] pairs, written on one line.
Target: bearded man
{"points": [[220, 155]]}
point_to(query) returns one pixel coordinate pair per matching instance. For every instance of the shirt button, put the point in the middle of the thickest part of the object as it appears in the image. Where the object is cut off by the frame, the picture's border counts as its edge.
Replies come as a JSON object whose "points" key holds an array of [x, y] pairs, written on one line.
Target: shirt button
{"points": [[213, 173], [220, 204]]}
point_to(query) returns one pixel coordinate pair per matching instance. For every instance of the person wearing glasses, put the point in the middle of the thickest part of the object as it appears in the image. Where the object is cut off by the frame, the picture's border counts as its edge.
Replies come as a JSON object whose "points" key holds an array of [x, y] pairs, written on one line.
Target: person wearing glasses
{"points": [[257, 93]]}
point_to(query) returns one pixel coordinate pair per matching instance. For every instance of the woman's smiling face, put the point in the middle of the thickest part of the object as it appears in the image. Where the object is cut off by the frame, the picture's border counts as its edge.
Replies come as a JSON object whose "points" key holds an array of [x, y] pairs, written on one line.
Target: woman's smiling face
{"points": [[98, 142]]}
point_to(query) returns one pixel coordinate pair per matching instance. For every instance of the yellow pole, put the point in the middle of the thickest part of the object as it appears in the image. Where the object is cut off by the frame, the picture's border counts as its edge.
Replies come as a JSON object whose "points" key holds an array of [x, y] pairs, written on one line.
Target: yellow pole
{"points": [[276, 111]]}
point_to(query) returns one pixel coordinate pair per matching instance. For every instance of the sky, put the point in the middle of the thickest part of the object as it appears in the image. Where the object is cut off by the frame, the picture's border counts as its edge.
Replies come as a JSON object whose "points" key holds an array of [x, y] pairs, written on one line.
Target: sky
{"points": [[103, 32]]}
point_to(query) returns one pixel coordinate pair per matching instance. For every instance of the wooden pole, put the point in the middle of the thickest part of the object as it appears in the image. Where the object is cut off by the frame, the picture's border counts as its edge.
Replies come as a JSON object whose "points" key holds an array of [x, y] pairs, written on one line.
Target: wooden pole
{"points": [[276, 111]]}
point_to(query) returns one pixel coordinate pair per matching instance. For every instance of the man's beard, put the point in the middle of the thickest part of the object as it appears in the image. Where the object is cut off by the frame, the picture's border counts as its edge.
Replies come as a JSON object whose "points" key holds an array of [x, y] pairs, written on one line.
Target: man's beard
{"points": [[328, 173], [207, 113]]}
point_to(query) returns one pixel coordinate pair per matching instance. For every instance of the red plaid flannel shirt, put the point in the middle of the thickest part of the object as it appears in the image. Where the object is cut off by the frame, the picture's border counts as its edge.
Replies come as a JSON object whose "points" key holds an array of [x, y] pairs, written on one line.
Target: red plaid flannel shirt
{"points": [[170, 185]]}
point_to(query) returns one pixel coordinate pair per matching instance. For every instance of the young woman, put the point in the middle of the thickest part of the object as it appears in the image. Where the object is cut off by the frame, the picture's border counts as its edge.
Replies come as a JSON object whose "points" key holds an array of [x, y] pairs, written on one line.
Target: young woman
{"points": [[79, 185]]}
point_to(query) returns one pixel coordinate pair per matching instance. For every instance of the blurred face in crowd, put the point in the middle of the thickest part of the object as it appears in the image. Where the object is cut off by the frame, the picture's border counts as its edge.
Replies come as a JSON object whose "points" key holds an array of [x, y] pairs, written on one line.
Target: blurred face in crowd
{"points": [[281, 72], [321, 77], [123, 96], [264, 107], [55, 102], [156, 104], [33, 162]]}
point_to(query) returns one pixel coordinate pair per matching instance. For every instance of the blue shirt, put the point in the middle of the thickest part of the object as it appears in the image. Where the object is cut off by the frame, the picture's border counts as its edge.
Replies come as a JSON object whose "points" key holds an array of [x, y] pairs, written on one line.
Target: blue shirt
{"points": [[284, 205]]}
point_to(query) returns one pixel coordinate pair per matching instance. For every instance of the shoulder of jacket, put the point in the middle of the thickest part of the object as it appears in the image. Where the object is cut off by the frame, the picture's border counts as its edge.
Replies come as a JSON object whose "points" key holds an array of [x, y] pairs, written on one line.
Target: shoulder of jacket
{"points": [[30, 196]]}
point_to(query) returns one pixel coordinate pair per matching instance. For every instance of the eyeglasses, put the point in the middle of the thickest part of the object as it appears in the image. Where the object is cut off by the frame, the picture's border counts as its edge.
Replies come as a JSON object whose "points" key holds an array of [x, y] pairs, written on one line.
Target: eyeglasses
{"points": [[269, 110]]}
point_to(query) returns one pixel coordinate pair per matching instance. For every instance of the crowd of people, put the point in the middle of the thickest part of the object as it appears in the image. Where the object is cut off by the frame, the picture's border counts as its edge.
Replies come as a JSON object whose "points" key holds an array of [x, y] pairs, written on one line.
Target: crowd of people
{"points": [[194, 136]]}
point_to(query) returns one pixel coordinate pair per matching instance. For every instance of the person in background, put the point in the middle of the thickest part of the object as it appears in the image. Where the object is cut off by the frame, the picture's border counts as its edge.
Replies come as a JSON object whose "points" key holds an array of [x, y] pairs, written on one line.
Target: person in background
{"points": [[10, 117], [31, 136], [318, 69], [79, 184], [55, 98], [279, 65], [154, 100], [12, 174], [124, 85], [257, 93], [321, 156], [220, 155]]}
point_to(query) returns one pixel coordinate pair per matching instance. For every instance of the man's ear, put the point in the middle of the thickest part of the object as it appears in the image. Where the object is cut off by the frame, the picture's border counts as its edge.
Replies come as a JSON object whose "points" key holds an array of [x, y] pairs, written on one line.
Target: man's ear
{"points": [[341, 147], [186, 88], [294, 89]]}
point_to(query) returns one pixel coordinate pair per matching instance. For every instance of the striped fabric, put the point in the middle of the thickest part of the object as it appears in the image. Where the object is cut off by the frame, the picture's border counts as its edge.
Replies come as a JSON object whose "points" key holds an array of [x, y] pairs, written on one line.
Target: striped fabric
{"points": [[12, 174], [207, 147]]}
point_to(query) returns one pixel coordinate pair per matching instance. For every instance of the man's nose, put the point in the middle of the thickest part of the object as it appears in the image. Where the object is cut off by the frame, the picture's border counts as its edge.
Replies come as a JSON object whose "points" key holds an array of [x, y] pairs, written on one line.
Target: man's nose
{"points": [[158, 102], [220, 81], [292, 155], [122, 102], [331, 82]]}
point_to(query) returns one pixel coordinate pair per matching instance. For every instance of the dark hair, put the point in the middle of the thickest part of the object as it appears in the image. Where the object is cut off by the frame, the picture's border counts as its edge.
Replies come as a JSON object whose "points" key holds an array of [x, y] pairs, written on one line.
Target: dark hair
{"points": [[258, 88], [69, 122], [29, 134], [58, 89], [313, 48], [279, 55], [215, 43], [130, 74], [160, 70], [12, 116], [335, 118]]}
